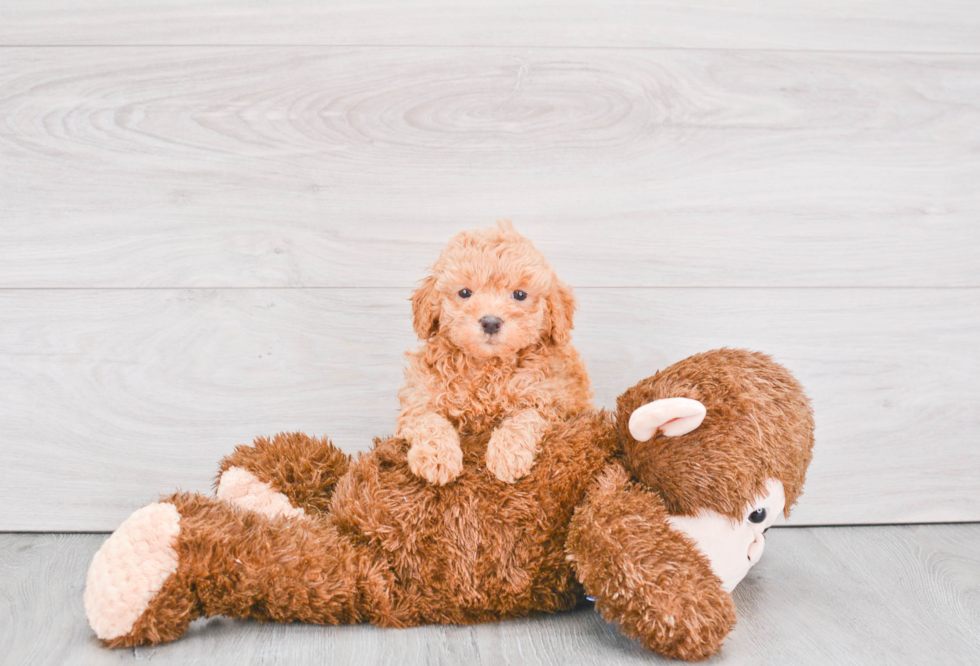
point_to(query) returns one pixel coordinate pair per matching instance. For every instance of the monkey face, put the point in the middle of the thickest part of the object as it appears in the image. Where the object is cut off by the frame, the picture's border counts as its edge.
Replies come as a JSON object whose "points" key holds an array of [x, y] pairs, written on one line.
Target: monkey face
{"points": [[731, 544], [733, 547], [724, 438]]}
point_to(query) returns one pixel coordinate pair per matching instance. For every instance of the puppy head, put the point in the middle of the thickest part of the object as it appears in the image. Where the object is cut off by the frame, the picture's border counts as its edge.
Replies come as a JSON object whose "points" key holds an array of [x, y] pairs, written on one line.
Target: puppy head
{"points": [[718, 432], [492, 294]]}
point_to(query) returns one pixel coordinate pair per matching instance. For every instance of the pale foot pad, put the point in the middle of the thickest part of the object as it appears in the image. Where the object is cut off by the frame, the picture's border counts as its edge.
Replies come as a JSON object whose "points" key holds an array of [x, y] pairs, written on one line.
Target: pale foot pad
{"points": [[130, 569], [243, 489]]}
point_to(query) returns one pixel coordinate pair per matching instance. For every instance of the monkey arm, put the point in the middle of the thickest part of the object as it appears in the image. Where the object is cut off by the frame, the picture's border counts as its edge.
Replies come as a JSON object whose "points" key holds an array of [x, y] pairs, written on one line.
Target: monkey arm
{"points": [[645, 576], [289, 474]]}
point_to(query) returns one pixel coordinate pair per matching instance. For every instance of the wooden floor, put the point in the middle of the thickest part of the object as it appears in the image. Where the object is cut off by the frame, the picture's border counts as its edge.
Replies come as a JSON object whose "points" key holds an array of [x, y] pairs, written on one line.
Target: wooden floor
{"points": [[820, 595]]}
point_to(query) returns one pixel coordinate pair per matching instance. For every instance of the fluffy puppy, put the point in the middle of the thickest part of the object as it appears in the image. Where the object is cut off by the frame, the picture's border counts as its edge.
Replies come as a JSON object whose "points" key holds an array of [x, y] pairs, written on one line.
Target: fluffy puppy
{"points": [[496, 323]]}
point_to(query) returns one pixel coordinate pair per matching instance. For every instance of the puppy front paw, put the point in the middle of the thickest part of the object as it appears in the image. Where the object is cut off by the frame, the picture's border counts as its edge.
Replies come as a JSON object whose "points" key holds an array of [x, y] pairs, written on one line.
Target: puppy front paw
{"points": [[510, 453], [437, 459]]}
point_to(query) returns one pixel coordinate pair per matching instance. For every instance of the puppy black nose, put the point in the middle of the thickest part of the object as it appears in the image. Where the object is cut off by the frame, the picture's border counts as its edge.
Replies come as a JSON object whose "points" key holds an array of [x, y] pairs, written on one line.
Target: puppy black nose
{"points": [[491, 324]]}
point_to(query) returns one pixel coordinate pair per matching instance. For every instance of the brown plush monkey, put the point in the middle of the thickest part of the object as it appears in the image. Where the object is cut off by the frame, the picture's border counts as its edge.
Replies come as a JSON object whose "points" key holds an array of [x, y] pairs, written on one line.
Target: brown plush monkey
{"points": [[310, 535], [715, 447]]}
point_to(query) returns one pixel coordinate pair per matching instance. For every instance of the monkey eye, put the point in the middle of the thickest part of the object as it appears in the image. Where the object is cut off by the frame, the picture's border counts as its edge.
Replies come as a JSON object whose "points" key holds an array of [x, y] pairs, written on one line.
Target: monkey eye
{"points": [[465, 293], [757, 516], [519, 295]]}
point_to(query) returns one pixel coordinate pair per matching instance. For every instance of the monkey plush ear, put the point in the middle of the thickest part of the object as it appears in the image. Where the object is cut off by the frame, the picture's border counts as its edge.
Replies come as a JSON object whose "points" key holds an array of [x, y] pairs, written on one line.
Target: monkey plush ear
{"points": [[673, 416]]}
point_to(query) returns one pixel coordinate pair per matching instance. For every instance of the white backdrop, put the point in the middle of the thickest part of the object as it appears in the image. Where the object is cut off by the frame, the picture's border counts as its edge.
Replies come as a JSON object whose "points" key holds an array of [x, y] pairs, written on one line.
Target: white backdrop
{"points": [[209, 231]]}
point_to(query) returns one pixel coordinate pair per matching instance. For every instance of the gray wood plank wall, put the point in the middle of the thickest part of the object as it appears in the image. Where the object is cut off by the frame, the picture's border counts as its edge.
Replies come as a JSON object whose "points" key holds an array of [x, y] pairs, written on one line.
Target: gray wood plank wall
{"points": [[203, 242], [835, 25]]}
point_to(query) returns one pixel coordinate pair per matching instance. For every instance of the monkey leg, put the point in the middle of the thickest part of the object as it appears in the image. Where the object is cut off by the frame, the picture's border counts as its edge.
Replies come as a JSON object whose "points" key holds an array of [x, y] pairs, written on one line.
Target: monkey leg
{"points": [[645, 576], [190, 556], [290, 475]]}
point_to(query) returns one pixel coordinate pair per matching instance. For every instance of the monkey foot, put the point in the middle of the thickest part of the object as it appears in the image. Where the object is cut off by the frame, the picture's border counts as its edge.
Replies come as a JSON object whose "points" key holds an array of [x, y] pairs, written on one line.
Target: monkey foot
{"points": [[240, 487], [130, 569]]}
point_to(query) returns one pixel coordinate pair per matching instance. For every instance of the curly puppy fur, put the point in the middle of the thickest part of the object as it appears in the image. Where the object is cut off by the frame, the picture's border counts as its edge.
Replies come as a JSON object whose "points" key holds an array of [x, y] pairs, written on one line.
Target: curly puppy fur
{"points": [[515, 381]]}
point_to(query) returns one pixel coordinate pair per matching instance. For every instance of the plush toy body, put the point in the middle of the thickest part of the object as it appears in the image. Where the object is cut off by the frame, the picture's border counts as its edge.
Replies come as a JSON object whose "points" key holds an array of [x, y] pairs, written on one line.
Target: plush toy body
{"points": [[367, 540], [302, 533], [715, 447]]}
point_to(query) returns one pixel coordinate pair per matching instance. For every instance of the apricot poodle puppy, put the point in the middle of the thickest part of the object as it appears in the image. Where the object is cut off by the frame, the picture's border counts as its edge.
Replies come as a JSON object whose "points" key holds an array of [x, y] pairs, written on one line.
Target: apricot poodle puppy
{"points": [[496, 323]]}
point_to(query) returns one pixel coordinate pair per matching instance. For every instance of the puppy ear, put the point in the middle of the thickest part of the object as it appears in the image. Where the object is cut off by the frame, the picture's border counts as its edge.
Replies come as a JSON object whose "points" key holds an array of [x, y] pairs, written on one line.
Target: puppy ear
{"points": [[425, 309], [561, 307], [673, 416], [506, 226]]}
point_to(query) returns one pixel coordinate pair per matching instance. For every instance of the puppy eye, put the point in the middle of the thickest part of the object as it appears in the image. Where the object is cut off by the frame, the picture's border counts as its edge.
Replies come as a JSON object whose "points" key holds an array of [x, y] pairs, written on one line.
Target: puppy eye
{"points": [[519, 295], [757, 516], [465, 293]]}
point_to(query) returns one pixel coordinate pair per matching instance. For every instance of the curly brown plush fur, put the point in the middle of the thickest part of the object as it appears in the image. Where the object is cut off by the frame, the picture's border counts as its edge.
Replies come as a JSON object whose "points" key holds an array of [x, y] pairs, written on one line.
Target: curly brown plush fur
{"points": [[759, 425], [369, 540], [303, 468], [653, 580], [645, 576], [496, 322], [393, 549]]}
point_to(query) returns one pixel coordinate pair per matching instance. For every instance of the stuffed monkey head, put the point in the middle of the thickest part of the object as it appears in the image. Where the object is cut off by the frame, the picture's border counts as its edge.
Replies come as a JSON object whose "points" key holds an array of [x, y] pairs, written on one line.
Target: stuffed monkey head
{"points": [[725, 438]]}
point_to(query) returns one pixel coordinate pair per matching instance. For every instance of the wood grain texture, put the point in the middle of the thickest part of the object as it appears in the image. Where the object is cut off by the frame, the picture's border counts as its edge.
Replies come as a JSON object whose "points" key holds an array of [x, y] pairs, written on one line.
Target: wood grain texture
{"points": [[313, 167], [855, 595], [866, 25], [114, 397]]}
